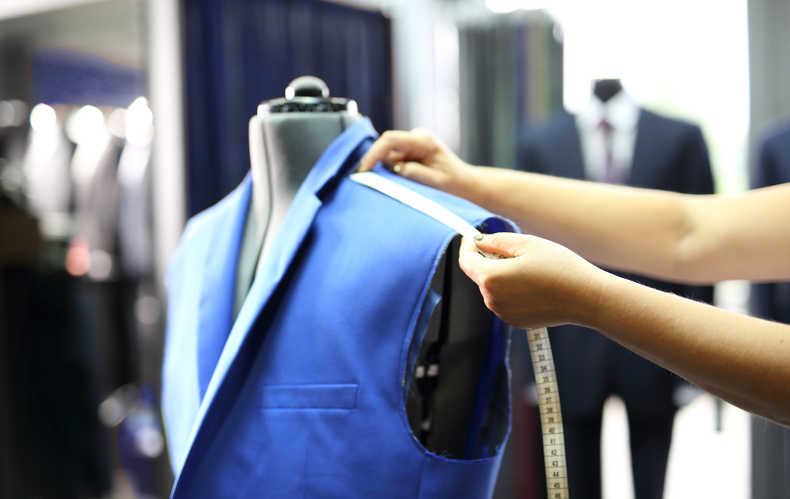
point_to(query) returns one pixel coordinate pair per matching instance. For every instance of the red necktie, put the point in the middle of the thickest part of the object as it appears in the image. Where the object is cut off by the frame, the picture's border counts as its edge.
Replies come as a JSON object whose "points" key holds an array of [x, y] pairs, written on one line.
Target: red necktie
{"points": [[611, 176]]}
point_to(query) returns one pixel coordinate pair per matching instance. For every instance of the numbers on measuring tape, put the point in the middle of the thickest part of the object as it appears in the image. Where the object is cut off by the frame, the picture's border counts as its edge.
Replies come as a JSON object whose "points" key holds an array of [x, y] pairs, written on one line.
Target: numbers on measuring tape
{"points": [[550, 414]]}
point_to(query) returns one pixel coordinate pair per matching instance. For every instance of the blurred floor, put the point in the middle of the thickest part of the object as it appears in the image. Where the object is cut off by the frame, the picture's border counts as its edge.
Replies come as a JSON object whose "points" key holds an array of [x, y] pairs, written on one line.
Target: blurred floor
{"points": [[702, 462]]}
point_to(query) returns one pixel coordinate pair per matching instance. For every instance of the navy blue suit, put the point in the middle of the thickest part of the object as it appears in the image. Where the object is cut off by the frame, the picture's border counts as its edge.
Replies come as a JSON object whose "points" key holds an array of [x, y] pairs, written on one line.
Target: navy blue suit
{"points": [[669, 155], [304, 395]]}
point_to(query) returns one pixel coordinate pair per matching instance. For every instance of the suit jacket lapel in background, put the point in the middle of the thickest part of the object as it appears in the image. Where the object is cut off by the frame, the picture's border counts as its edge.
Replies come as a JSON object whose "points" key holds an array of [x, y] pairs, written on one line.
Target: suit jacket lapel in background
{"points": [[645, 153], [567, 160], [573, 167]]}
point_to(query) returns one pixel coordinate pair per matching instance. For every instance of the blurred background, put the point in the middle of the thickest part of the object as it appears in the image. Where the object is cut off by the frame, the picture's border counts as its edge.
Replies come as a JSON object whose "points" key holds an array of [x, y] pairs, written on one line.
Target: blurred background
{"points": [[119, 119]]}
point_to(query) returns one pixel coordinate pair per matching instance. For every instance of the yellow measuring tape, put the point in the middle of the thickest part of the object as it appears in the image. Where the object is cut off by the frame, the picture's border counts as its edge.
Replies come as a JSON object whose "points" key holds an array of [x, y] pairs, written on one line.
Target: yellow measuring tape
{"points": [[550, 414]]}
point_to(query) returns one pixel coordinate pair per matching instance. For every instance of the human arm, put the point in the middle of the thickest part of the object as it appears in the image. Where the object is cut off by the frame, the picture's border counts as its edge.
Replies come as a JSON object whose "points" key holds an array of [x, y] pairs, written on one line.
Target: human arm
{"points": [[682, 238], [743, 360]]}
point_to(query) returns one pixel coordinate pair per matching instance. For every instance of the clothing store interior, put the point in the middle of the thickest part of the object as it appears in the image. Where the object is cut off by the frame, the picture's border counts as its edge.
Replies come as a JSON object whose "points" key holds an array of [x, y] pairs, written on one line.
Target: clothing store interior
{"points": [[145, 353]]}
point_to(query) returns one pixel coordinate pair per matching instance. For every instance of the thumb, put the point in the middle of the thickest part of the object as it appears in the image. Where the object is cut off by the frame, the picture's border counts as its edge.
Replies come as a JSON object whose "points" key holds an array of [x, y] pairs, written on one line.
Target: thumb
{"points": [[503, 243], [471, 262]]}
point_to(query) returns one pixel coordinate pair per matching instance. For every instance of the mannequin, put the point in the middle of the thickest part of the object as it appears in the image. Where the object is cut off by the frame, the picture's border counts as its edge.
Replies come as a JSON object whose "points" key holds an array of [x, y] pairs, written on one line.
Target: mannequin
{"points": [[287, 137], [646, 150], [606, 89]]}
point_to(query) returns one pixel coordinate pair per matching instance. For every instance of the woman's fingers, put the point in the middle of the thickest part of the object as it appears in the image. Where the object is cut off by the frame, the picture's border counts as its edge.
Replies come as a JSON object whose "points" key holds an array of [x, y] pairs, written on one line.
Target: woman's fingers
{"points": [[469, 258], [540, 283], [395, 145], [504, 243], [418, 172]]}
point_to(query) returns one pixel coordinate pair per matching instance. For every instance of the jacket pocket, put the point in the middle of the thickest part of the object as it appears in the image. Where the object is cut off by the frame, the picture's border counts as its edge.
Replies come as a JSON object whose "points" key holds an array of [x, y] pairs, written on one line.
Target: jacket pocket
{"points": [[301, 397]]}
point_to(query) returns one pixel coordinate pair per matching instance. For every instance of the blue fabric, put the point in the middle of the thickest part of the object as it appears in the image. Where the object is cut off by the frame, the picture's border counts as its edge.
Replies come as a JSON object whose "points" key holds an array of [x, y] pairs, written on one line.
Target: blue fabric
{"points": [[307, 396], [216, 309]]}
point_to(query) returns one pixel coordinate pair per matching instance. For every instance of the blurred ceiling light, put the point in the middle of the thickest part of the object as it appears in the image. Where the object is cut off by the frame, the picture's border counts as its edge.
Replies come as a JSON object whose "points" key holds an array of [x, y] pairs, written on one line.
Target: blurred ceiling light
{"points": [[117, 123], [78, 258], [85, 126], [7, 113], [111, 412], [139, 122], [149, 440], [20, 111], [148, 310], [502, 6], [11, 177], [42, 118], [12, 112], [100, 266], [119, 404]]}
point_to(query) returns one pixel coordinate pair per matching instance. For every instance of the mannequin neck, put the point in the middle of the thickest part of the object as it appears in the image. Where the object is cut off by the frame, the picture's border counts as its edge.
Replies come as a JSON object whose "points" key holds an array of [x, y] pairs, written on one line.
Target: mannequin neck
{"points": [[606, 89], [283, 149]]}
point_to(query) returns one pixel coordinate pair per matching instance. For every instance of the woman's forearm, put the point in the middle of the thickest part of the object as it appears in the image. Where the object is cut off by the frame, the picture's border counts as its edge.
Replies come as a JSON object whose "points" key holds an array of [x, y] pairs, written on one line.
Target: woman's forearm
{"points": [[677, 237], [743, 360], [614, 226]]}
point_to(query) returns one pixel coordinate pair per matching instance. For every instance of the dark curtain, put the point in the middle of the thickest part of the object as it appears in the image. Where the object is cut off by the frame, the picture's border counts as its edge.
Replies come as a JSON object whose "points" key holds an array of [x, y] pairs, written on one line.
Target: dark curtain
{"points": [[241, 52], [511, 79]]}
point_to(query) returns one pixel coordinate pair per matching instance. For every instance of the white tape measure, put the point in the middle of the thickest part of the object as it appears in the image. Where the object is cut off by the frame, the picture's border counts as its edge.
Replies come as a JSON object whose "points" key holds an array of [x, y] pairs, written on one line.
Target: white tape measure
{"points": [[550, 414], [542, 359]]}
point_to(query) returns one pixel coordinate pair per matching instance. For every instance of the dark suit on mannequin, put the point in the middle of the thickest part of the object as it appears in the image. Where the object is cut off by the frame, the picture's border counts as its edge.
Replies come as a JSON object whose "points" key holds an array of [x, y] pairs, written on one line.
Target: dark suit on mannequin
{"points": [[669, 155]]}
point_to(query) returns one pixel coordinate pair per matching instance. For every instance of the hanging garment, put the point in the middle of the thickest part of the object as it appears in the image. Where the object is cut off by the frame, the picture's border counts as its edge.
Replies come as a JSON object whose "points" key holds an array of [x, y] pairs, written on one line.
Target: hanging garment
{"points": [[305, 394]]}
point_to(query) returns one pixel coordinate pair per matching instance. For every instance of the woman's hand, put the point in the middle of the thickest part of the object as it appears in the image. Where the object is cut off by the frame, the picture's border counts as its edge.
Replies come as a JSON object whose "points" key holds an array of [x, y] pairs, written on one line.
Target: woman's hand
{"points": [[540, 284], [420, 156]]}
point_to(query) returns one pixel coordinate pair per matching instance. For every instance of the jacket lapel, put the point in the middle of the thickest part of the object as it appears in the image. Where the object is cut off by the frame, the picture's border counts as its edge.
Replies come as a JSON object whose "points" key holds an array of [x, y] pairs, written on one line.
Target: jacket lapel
{"points": [[215, 316], [640, 162], [571, 162], [335, 161]]}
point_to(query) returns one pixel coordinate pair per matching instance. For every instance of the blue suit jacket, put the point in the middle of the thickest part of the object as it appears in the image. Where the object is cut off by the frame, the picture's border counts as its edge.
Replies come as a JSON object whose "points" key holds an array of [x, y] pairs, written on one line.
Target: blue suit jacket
{"points": [[304, 395], [669, 155]]}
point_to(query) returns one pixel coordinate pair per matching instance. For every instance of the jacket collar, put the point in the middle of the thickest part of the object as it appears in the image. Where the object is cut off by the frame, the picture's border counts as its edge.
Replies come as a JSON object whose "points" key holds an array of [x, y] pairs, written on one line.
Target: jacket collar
{"points": [[621, 111], [336, 160]]}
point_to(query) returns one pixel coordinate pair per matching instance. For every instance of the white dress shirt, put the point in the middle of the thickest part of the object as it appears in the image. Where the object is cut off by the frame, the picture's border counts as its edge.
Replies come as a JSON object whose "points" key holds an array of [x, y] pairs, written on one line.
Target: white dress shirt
{"points": [[622, 113]]}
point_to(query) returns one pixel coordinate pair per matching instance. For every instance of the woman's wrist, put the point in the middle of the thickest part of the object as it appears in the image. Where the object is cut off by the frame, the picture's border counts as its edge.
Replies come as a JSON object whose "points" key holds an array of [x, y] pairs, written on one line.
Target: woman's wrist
{"points": [[468, 183], [593, 298]]}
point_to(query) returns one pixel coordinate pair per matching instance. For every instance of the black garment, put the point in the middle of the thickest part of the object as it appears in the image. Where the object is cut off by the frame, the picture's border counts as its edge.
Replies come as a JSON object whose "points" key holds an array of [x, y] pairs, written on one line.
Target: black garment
{"points": [[669, 155], [58, 447]]}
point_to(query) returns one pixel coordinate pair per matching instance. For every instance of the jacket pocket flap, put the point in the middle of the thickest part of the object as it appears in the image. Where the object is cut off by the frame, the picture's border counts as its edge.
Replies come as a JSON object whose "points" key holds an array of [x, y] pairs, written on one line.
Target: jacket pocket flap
{"points": [[323, 396]]}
